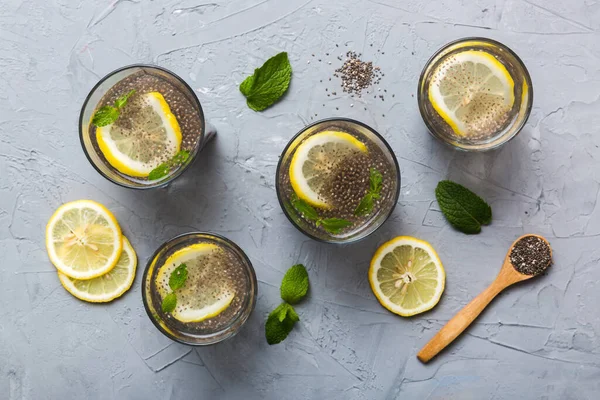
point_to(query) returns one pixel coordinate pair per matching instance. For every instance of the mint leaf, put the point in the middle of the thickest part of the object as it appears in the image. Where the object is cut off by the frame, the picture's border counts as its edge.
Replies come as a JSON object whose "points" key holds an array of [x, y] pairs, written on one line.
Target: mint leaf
{"points": [[268, 83], [462, 208], [294, 284], [280, 323], [121, 101], [304, 208], [365, 206], [178, 277], [163, 169], [334, 225], [247, 85], [375, 181], [367, 203], [169, 302], [105, 116]]}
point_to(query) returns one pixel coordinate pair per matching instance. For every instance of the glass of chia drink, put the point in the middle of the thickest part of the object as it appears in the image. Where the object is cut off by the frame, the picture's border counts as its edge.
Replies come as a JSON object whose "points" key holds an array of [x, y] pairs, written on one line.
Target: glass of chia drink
{"points": [[215, 297], [337, 180], [142, 126], [475, 94]]}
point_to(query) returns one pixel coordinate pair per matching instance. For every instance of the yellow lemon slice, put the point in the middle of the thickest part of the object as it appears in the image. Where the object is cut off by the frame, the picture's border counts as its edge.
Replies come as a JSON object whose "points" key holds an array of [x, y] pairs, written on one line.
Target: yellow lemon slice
{"points": [[473, 92], [315, 160], [83, 239], [145, 135], [206, 293], [106, 287], [407, 276]]}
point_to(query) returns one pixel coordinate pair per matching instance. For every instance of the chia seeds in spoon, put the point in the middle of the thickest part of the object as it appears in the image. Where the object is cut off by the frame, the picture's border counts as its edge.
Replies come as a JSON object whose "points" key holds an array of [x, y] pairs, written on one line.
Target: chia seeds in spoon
{"points": [[531, 255]]}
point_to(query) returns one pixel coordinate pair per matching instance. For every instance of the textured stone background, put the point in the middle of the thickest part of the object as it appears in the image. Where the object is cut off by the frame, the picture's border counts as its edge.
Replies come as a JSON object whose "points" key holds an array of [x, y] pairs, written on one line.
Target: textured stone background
{"points": [[540, 340]]}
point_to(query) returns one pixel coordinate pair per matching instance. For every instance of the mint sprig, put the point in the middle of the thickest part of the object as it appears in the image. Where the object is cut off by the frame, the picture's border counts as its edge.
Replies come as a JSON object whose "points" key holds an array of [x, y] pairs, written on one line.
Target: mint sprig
{"points": [[462, 208], [163, 169], [107, 115], [177, 280], [331, 225], [268, 83], [368, 201], [281, 320]]}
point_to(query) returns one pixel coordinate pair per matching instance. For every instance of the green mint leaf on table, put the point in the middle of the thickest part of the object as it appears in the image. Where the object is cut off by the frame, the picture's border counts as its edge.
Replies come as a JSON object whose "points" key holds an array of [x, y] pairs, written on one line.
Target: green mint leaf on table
{"points": [[334, 225], [108, 114], [294, 284], [121, 101], [280, 323], [304, 208], [462, 208], [163, 169], [169, 302], [105, 116], [268, 83], [367, 203], [178, 277]]}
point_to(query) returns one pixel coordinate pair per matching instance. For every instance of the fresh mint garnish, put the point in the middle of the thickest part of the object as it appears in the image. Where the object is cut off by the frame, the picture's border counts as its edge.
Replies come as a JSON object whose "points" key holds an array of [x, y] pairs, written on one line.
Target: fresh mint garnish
{"points": [[462, 208], [367, 203], [294, 284], [176, 281], [281, 320], [280, 323], [268, 83], [178, 277], [106, 115], [163, 169], [331, 225], [169, 303]]}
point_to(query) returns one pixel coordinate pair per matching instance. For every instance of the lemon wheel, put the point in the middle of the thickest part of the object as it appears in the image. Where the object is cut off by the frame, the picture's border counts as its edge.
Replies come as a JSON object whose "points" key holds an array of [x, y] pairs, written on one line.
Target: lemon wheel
{"points": [[407, 276], [106, 287], [204, 294], [473, 92], [146, 135], [315, 160], [83, 239]]}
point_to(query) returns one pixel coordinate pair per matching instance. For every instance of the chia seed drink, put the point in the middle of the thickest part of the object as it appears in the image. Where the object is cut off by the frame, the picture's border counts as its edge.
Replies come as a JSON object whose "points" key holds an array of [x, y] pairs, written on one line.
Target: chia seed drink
{"points": [[161, 119], [217, 297], [325, 174], [475, 94]]}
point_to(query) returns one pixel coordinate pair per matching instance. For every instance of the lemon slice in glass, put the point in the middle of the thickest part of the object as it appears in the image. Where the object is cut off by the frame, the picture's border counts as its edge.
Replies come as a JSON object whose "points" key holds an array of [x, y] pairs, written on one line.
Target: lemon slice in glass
{"points": [[207, 292], [145, 135], [407, 276], [473, 92], [83, 239], [106, 287], [315, 160]]}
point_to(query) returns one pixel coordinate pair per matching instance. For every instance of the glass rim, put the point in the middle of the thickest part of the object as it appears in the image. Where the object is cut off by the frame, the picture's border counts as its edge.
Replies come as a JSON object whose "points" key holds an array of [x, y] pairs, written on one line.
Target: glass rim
{"points": [[248, 266], [527, 78], [352, 121], [179, 170]]}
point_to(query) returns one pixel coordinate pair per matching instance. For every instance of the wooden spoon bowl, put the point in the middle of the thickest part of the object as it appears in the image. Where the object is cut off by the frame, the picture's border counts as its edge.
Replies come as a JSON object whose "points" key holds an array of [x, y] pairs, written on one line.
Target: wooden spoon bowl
{"points": [[507, 276]]}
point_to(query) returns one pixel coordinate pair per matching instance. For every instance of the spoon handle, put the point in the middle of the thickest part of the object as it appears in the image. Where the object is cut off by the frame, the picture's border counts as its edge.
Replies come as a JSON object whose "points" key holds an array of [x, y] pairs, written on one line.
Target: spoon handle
{"points": [[459, 322]]}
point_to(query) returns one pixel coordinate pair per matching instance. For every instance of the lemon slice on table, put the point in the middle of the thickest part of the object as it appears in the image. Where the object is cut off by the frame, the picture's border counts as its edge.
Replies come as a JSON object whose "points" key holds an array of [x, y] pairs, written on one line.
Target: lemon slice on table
{"points": [[145, 135], [473, 92], [407, 276], [315, 160], [206, 293], [106, 287], [83, 239]]}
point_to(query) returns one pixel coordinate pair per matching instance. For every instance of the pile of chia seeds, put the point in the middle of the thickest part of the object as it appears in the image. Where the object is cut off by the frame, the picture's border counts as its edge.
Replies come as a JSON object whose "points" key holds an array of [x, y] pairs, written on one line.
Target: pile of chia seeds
{"points": [[531, 255]]}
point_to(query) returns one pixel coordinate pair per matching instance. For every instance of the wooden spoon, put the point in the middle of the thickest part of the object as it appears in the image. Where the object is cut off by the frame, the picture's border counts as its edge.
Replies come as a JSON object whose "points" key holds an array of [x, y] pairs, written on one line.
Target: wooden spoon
{"points": [[507, 276]]}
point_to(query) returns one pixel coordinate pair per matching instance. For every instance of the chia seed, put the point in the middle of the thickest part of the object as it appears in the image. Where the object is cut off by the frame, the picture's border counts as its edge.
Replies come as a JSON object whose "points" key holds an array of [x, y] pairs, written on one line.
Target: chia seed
{"points": [[357, 75], [531, 255]]}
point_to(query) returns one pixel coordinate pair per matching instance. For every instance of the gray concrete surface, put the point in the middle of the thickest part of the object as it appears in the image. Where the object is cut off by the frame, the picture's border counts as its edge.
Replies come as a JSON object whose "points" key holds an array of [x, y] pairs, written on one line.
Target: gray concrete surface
{"points": [[540, 340]]}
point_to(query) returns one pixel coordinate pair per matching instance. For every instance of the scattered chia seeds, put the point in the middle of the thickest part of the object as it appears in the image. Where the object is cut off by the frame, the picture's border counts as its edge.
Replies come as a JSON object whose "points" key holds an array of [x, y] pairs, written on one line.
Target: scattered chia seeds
{"points": [[531, 255], [357, 75]]}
